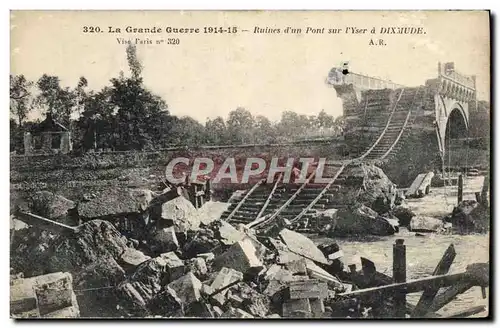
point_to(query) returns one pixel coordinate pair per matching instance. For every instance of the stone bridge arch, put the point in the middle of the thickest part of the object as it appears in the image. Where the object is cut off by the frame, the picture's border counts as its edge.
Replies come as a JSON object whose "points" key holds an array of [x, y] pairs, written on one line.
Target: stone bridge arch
{"points": [[454, 92]]}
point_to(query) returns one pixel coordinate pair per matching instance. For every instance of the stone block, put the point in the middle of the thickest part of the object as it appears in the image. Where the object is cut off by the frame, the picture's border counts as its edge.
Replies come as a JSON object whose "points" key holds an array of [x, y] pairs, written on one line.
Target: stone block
{"points": [[206, 256], [236, 313], [312, 288], [290, 307], [241, 256], [426, 224], [44, 294], [234, 300], [217, 311], [315, 272], [165, 240], [187, 288], [224, 277], [174, 265], [317, 307], [198, 266], [131, 258], [298, 267], [300, 244], [253, 302], [228, 234]]}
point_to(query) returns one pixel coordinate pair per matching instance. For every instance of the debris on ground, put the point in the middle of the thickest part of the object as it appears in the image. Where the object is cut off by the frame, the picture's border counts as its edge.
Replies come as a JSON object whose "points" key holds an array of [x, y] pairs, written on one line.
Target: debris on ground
{"points": [[46, 296], [180, 213], [141, 254], [421, 223], [50, 205], [116, 202], [421, 185], [404, 215], [470, 216], [362, 220]]}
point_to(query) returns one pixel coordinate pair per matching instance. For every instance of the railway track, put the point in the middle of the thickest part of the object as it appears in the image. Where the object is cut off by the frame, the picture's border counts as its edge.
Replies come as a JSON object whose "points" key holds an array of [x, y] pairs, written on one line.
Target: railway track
{"points": [[264, 203]]}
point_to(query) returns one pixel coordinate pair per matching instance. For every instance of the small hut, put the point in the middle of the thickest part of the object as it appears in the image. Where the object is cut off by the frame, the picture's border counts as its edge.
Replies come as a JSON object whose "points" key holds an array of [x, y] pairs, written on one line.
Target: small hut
{"points": [[47, 137]]}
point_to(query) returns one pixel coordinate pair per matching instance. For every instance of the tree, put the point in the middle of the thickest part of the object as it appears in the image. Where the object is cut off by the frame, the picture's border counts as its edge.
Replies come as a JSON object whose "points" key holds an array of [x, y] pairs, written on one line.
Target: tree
{"points": [[187, 131], [289, 126], [96, 120], [339, 124], [137, 109], [240, 125], [14, 135], [57, 100], [264, 129], [80, 94], [216, 131], [324, 120], [20, 97], [134, 64]]}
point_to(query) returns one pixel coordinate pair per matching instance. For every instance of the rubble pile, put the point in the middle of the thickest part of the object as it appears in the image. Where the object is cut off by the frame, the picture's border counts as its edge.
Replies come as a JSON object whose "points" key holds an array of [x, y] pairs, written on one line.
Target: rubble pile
{"points": [[378, 192], [369, 200], [141, 254], [470, 216], [215, 271], [50, 205]]}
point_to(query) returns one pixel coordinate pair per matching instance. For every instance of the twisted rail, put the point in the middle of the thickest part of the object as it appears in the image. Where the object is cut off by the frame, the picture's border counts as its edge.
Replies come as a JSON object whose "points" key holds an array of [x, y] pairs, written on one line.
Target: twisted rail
{"points": [[292, 198], [385, 128], [341, 169], [243, 200], [402, 128], [268, 200], [323, 191]]}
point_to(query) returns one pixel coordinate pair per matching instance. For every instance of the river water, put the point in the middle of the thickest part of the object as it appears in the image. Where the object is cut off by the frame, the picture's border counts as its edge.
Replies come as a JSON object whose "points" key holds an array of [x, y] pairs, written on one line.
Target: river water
{"points": [[424, 253], [422, 256]]}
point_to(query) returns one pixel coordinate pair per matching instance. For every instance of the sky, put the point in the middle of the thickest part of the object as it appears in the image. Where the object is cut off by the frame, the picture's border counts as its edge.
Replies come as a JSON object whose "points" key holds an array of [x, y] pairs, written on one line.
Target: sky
{"points": [[208, 75]]}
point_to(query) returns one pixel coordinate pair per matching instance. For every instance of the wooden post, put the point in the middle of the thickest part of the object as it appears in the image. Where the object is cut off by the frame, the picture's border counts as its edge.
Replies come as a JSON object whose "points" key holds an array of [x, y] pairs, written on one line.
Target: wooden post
{"points": [[208, 190], [429, 294], [449, 295], [460, 188], [399, 276], [415, 285], [468, 312], [478, 197]]}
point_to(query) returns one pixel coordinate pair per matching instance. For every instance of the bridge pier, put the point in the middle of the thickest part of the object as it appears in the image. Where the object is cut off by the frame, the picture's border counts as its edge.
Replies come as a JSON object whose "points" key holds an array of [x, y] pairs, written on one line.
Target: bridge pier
{"points": [[438, 114]]}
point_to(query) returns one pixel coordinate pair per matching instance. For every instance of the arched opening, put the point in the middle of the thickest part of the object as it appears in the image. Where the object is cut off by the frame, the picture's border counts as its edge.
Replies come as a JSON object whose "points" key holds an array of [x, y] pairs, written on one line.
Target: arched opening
{"points": [[456, 156]]}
